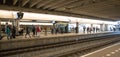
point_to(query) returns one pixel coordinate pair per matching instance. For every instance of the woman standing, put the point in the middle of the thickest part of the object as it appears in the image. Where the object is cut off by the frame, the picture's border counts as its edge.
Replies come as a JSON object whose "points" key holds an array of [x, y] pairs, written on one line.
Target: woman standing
{"points": [[38, 31], [8, 32]]}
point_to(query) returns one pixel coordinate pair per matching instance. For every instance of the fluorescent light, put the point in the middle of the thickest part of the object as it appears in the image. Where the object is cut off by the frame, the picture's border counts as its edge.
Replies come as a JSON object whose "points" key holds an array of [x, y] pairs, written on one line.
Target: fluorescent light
{"points": [[27, 23], [31, 23], [48, 17]]}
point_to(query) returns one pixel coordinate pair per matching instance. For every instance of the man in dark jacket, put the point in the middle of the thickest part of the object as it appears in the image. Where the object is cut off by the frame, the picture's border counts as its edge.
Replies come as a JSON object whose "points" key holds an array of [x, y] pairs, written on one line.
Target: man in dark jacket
{"points": [[33, 30], [27, 32], [13, 32]]}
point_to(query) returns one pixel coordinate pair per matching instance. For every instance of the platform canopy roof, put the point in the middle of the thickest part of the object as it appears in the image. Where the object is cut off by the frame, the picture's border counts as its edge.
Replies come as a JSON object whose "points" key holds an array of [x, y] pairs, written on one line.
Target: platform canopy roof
{"points": [[96, 9]]}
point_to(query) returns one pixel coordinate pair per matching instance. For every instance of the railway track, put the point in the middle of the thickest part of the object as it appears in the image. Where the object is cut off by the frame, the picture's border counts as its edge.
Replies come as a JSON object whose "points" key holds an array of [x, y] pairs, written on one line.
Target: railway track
{"points": [[86, 51], [55, 50]]}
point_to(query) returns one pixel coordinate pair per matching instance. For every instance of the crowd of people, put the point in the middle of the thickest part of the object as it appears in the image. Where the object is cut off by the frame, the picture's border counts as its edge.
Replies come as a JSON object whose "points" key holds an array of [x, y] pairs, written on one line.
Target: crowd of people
{"points": [[11, 31], [59, 30], [90, 29]]}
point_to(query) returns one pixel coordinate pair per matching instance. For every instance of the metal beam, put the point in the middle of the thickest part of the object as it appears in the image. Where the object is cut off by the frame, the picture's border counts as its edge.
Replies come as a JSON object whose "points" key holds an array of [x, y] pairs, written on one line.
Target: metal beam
{"points": [[97, 6], [44, 3], [0, 29], [24, 2], [79, 4], [14, 2], [34, 2], [53, 4], [63, 4], [71, 5], [83, 3], [39, 4], [4, 1]]}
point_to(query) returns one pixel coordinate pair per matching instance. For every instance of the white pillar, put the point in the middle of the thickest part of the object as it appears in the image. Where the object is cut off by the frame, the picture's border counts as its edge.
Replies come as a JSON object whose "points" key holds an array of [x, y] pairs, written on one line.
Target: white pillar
{"points": [[103, 27], [106, 27], [17, 26], [91, 25]]}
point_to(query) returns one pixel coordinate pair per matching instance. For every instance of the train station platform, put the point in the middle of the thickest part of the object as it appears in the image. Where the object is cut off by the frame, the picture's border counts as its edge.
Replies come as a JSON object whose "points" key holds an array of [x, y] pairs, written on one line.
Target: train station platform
{"points": [[21, 41], [110, 51], [49, 35], [16, 45]]}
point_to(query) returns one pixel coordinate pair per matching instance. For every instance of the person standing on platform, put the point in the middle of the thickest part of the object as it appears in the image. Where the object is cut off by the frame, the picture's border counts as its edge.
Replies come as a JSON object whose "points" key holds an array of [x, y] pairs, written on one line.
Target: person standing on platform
{"points": [[57, 30], [94, 29], [84, 28], [97, 29], [13, 32], [38, 31], [27, 32], [87, 29], [90, 29], [21, 31], [52, 30], [33, 30], [114, 29], [8, 32]]}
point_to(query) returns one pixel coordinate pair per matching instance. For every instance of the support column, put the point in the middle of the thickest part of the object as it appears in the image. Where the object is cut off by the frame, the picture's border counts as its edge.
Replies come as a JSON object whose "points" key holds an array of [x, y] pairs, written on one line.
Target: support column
{"points": [[102, 27], [14, 23], [106, 27], [77, 27], [17, 26], [46, 30], [91, 25], [0, 28], [91, 28], [54, 28]]}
